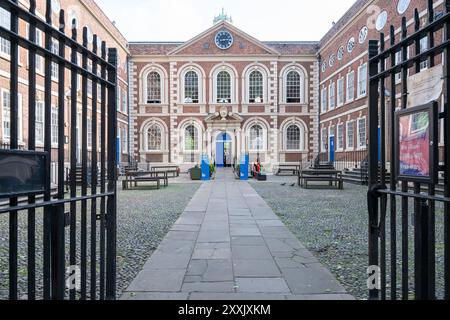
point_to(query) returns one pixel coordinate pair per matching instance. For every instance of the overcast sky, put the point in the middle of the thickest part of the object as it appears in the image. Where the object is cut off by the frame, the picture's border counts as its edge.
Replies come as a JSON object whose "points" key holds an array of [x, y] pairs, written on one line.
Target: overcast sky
{"points": [[266, 20]]}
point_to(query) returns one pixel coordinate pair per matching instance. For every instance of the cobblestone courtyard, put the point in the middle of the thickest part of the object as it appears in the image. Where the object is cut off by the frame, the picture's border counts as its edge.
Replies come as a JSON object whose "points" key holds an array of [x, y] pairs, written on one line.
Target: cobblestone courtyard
{"points": [[144, 217], [333, 225]]}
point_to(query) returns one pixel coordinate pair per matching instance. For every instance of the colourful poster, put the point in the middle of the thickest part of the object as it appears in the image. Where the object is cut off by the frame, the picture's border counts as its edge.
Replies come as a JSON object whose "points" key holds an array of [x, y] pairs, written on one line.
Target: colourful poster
{"points": [[414, 145]]}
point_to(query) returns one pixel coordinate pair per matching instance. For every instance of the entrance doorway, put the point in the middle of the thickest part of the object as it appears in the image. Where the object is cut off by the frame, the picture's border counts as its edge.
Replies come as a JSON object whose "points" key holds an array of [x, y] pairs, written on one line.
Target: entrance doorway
{"points": [[223, 150]]}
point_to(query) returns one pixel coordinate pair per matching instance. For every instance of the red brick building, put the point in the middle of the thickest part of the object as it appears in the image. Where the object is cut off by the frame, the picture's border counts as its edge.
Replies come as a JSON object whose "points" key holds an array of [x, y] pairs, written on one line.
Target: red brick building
{"points": [[343, 56], [224, 93], [85, 13]]}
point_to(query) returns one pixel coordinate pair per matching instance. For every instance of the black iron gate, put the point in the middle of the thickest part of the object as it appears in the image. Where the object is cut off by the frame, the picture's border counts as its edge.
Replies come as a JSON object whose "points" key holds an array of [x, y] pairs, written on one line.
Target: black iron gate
{"points": [[409, 219], [68, 249]]}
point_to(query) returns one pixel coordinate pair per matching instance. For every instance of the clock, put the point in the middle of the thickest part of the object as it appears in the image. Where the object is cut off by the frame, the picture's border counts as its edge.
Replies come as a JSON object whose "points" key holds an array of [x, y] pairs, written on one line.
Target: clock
{"points": [[224, 40]]}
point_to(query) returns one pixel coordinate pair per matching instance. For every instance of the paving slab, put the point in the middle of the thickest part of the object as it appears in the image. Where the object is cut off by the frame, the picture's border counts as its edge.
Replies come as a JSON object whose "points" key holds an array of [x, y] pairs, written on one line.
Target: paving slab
{"points": [[229, 245]]}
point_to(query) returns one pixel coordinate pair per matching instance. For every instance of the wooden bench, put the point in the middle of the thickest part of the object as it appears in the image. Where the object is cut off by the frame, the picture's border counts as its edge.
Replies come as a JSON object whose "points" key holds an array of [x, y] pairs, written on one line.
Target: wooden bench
{"points": [[290, 168], [174, 170], [333, 177], [133, 177]]}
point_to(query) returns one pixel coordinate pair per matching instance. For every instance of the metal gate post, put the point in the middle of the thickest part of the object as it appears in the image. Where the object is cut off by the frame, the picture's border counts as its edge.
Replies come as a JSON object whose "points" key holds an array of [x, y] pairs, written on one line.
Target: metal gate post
{"points": [[421, 262], [58, 252], [373, 164], [112, 172]]}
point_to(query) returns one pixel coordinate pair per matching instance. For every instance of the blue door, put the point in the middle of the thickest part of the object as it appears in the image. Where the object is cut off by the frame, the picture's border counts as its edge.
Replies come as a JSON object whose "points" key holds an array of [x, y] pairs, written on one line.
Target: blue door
{"points": [[219, 154], [332, 149], [223, 140]]}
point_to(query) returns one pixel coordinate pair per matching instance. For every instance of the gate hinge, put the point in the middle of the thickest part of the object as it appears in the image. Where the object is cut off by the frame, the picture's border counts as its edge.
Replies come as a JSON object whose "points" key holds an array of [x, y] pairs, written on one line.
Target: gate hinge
{"points": [[443, 114]]}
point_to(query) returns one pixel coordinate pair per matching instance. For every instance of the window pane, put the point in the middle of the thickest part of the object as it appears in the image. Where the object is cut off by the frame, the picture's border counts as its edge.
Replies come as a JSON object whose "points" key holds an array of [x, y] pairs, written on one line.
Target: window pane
{"points": [[54, 125], [6, 115], [154, 138], [224, 87], [256, 87], [191, 138], [293, 138], [191, 87], [256, 138], [293, 87], [154, 88]]}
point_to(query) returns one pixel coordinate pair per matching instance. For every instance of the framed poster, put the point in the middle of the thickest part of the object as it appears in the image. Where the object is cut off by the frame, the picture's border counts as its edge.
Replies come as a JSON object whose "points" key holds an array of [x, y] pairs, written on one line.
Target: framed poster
{"points": [[416, 144], [22, 173]]}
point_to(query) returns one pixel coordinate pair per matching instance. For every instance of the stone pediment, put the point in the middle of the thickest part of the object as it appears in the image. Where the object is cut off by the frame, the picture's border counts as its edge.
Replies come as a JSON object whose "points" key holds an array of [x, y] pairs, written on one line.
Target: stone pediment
{"points": [[204, 44]]}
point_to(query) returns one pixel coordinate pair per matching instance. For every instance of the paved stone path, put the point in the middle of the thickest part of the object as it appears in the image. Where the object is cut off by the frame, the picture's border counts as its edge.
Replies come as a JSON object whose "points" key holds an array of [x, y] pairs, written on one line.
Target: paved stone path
{"points": [[229, 244]]}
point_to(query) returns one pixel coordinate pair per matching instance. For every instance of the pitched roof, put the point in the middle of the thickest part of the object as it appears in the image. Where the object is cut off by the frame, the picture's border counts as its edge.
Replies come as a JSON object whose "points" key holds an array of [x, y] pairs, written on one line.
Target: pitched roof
{"points": [[293, 48], [153, 48], [349, 15]]}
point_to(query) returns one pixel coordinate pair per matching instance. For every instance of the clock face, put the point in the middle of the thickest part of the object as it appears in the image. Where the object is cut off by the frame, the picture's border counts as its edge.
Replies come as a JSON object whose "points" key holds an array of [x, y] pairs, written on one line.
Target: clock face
{"points": [[224, 40]]}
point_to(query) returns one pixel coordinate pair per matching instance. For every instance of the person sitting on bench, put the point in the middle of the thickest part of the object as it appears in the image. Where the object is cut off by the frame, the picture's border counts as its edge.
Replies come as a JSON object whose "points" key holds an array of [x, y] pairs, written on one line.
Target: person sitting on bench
{"points": [[256, 169]]}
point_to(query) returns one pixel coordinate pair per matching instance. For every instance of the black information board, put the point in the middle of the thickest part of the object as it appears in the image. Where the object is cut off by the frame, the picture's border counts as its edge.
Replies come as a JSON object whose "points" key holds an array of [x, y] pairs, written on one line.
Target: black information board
{"points": [[22, 173]]}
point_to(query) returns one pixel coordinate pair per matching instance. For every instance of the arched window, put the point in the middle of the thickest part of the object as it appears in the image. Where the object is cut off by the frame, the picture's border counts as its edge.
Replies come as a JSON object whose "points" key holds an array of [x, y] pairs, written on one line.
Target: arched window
{"points": [[154, 138], [154, 88], [293, 87], [256, 87], [256, 137], [223, 87], [191, 92], [293, 138], [191, 138]]}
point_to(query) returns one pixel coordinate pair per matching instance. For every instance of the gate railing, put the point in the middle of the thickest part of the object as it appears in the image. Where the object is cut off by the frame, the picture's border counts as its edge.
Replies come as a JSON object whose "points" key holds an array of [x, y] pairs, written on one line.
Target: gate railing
{"points": [[70, 246], [418, 267]]}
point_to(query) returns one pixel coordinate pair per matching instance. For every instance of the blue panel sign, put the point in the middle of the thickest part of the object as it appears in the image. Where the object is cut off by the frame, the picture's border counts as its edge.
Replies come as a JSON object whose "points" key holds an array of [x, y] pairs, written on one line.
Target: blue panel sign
{"points": [[206, 175], [245, 159]]}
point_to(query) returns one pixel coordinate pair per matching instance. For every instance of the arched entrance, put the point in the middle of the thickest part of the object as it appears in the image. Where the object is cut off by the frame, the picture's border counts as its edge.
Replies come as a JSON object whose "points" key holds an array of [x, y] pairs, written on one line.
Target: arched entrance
{"points": [[224, 151]]}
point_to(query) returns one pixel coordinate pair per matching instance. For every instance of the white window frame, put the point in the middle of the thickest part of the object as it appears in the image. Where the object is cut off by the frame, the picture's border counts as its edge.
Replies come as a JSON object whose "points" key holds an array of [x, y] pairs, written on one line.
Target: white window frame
{"points": [[332, 96], [162, 87], [264, 138], [200, 79], [362, 81], [301, 137], [423, 48], [340, 141], [324, 138], [54, 125], [361, 145], [340, 92], [5, 45], [213, 84], [19, 116], [324, 99], [348, 138], [199, 140], [264, 85], [145, 138], [303, 83], [40, 139], [350, 89]]}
